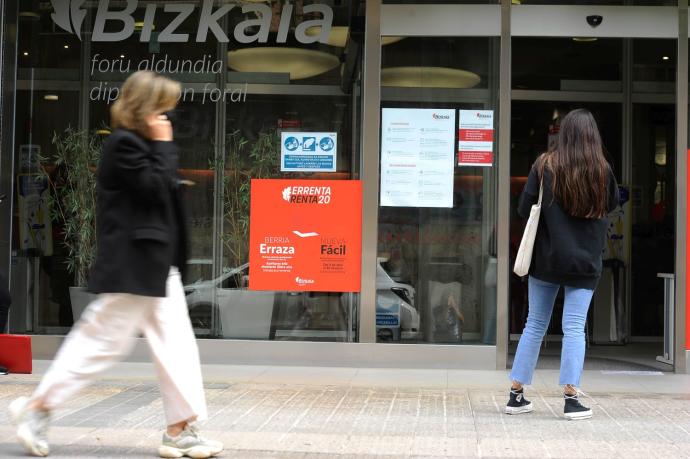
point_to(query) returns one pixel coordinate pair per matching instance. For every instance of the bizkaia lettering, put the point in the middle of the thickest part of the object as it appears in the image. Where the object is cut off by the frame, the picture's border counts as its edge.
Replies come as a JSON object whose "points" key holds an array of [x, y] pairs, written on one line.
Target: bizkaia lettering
{"points": [[483, 115], [436, 116], [69, 16], [307, 194]]}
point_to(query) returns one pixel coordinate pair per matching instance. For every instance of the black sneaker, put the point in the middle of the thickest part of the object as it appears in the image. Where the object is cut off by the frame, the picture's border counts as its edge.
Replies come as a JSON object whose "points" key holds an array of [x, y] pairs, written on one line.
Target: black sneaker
{"points": [[518, 404], [574, 410]]}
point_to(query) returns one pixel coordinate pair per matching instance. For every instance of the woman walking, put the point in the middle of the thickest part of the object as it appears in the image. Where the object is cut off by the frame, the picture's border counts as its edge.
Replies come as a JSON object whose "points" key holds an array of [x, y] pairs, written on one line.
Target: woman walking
{"points": [[141, 250], [579, 190]]}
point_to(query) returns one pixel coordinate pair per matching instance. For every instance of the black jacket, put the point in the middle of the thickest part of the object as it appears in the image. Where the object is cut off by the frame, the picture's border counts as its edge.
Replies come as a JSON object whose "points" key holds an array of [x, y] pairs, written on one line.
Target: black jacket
{"points": [[140, 220], [567, 249]]}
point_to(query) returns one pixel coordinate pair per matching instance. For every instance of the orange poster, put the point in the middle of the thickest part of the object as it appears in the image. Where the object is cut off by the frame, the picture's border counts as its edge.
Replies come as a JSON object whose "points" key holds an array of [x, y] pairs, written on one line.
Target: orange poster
{"points": [[305, 235]]}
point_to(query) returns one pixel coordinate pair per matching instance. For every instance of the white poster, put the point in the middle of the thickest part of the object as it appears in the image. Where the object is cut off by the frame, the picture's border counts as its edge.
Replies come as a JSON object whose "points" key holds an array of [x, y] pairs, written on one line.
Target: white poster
{"points": [[476, 138], [308, 151], [417, 157]]}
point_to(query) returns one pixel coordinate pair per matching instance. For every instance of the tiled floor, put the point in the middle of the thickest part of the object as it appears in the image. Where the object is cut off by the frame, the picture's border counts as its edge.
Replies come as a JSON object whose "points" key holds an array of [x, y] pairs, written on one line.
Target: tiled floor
{"points": [[316, 412]]}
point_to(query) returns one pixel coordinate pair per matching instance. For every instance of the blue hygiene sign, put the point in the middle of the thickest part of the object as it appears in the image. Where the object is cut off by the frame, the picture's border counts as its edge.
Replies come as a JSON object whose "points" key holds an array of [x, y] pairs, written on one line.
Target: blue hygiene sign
{"points": [[308, 151]]}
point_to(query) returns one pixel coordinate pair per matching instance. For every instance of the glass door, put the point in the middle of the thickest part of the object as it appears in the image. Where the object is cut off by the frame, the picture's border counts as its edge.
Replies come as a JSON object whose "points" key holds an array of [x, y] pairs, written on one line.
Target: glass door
{"points": [[599, 59]]}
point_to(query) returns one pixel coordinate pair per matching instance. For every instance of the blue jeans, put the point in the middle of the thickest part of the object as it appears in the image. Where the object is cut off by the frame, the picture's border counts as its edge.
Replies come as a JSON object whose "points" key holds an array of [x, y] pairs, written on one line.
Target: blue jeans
{"points": [[542, 295]]}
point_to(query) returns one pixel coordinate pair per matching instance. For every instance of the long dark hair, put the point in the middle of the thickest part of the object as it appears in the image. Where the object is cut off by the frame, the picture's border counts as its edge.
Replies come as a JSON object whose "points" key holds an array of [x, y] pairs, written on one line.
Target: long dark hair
{"points": [[578, 166]]}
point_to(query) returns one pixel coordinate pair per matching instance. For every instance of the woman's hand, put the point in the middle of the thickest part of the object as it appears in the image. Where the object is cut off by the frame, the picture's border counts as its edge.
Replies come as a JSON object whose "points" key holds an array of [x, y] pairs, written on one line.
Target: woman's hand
{"points": [[160, 128]]}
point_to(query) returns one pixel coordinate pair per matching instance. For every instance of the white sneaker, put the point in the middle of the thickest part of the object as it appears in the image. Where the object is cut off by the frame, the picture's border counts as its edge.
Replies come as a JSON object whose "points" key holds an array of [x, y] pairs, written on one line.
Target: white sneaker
{"points": [[189, 443], [32, 427]]}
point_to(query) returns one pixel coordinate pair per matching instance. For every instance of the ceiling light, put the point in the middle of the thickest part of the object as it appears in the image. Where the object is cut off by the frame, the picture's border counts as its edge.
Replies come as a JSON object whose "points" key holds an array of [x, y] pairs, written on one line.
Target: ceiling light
{"points": [[585, 39], [339, 34], [299, 63], [51, 97], [389, 40], [337, 37], [665, 58], [428, 77], [66, 46], [29, 15], [103, 132], [26, 53], [122, 56], [139, 26]]}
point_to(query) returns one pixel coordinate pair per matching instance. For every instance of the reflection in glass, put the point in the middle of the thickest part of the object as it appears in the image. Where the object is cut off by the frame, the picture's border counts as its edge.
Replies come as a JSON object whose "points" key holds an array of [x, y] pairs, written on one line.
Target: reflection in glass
{"points": [[227, 133], [436, 271], [568, 64]]}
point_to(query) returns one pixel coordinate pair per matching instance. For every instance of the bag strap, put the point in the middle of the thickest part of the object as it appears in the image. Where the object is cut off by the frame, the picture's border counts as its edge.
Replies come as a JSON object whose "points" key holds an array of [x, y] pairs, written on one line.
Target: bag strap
{"points": [[541, 191]]}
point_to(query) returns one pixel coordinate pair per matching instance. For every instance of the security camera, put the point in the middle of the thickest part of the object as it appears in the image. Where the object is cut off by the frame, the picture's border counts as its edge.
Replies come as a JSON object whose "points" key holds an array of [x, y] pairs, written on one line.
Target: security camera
{"points": [[594, 20]]}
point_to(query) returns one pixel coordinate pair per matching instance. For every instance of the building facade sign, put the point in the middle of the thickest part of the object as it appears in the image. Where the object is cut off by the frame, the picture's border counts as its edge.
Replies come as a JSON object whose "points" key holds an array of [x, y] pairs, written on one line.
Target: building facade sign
{"points": [[69, 16]]}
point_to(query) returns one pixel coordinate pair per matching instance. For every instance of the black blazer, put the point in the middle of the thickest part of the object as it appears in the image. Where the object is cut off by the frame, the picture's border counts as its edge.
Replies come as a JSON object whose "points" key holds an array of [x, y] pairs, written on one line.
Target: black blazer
{"points": [[140, 220]]}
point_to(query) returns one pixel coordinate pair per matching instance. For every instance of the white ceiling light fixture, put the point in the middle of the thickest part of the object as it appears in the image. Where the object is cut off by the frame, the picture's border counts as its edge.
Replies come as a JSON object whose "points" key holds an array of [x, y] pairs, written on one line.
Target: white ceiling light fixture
{"points": [[51, 97], [665, 58], [585, 39], [390, 40], [339, 35], [428, 77], [139, 26], [299, 63]]}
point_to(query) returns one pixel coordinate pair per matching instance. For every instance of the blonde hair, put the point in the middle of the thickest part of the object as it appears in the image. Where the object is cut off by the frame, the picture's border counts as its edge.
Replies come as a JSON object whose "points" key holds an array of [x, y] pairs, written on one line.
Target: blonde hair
{"points": [[142, 94]]}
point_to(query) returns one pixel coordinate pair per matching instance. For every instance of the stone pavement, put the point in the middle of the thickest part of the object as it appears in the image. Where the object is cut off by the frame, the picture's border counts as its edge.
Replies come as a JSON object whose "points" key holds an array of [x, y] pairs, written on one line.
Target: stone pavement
{"points": [[315, 412]]}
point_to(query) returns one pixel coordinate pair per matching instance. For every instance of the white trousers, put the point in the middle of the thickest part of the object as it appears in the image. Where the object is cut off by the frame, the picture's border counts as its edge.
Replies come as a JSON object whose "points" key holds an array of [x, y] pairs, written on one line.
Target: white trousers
{"points": [[105, 334]]}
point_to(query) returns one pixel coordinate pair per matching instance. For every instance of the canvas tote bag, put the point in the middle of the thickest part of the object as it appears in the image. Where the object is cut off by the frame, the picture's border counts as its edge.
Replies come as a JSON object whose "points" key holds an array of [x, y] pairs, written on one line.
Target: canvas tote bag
{"points": [[524, 255]]}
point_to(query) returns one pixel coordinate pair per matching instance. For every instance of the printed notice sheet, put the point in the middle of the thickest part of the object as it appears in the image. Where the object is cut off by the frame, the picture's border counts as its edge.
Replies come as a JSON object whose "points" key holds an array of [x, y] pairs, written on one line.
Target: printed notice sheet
{"points": [[476, 138], [417, 157]]}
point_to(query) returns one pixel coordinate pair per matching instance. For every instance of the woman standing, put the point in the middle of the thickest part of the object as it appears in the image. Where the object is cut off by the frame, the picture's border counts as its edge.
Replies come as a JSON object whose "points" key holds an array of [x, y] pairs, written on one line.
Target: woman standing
{"points": [[141, 250], [579, 190]]}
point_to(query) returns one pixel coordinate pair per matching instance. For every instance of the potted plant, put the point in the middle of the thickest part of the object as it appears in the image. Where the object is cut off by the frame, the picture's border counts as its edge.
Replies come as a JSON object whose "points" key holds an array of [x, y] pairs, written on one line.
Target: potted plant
{"points": [[242, 313], [71, 176], [244, 160]]}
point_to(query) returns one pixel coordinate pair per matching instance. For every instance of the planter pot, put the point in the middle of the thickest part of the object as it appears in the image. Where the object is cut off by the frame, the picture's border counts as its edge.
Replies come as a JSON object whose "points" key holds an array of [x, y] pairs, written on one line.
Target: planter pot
{"points": [[246, 314], [80, 299]]}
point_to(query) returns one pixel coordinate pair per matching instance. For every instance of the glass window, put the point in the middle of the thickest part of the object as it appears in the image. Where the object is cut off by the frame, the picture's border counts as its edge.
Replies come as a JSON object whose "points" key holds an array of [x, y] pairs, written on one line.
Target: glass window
{"points": [[442, 2], [303, 87], [260, 70], [437, 250], [598, 2], [654, 68], [653, 182], [567, 64], [42, 46]]}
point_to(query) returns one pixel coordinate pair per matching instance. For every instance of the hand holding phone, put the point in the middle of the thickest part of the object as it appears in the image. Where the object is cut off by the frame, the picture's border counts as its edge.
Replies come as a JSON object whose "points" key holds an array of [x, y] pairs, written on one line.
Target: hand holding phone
{"points": [[160, 128]]}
